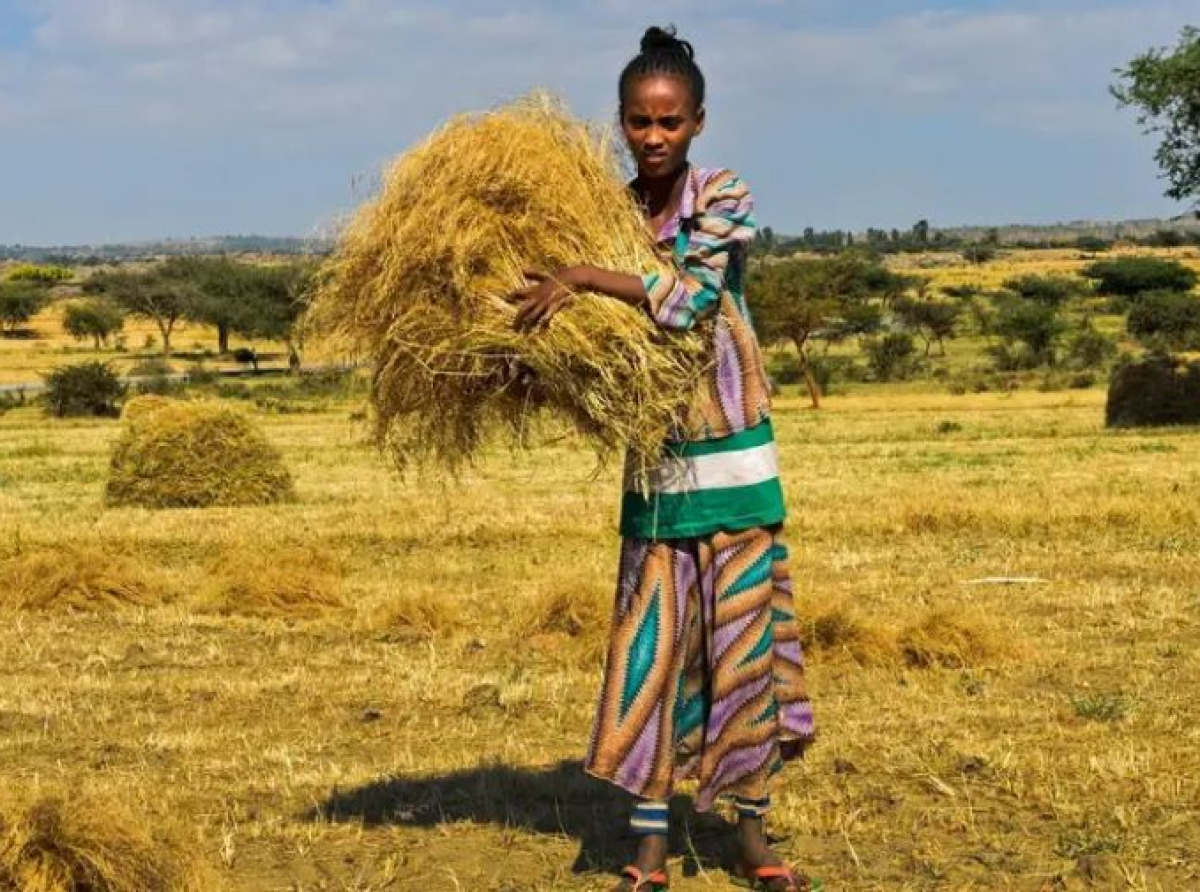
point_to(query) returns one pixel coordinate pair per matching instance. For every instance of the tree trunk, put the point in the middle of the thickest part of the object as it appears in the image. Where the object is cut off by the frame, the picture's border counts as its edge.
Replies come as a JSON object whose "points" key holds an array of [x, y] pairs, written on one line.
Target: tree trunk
{"points": [[293, 357], [814, 392], [164, 329], [222, 338]]}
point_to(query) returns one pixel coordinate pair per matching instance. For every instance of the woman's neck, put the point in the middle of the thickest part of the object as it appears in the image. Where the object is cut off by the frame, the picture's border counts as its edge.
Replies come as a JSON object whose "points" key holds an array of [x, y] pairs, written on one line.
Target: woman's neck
{"points": [[661, 196]]}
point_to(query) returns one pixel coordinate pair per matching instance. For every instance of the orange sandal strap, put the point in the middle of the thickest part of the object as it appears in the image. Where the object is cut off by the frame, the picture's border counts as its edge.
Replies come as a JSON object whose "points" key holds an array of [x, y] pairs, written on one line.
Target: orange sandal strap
{"points": [[796, 882], [656, 879]]}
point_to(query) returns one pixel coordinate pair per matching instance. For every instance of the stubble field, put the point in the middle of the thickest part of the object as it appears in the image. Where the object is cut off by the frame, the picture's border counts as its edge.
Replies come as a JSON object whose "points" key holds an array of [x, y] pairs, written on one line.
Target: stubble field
{"points": [[408, 708]]}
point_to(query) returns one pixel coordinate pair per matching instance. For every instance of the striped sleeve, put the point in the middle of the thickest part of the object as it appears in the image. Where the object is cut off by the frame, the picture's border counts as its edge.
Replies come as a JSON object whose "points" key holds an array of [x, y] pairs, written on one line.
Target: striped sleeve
{"points": [[680, 293]]}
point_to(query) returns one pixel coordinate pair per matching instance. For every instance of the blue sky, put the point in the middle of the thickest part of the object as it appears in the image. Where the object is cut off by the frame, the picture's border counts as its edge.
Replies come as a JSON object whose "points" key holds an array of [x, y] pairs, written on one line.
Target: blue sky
{"points": [[137, 119]]}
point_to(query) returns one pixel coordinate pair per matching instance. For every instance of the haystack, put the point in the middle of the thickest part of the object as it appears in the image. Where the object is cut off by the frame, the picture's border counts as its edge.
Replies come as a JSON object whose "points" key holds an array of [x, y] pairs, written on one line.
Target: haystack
{"points": [[181, 454], [79, 842], [286, 582], [419, 279], [74, 577]]}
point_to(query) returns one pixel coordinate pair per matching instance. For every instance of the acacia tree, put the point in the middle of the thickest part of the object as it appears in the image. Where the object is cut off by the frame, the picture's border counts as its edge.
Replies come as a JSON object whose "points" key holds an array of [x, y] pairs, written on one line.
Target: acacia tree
{"points": [[794, 300], [95, 318], [163, 294], [20, 301], [276, 298], [1164, 85]]}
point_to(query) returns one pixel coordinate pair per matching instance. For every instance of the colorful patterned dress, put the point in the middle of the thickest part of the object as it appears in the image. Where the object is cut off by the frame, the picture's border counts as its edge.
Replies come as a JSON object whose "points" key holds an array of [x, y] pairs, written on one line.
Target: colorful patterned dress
{"points": [[704, 677]]}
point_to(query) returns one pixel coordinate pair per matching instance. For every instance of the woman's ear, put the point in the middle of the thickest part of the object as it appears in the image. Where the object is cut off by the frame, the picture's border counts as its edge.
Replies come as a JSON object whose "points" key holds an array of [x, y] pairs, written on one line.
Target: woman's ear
{"points": [[699, 120]]}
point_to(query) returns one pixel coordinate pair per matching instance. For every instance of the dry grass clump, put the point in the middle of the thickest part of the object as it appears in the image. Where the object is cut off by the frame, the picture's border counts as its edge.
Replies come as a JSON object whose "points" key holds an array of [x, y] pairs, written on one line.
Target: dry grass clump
{"points": [[839, 630], [73, 577], [574, 613], [416, 616], [89, 845], [285, 582], [183, 454], [947, 638], [420, 276]]}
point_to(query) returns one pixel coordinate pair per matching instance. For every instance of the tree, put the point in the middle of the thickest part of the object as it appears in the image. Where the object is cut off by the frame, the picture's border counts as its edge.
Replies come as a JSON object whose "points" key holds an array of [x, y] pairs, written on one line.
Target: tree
{"points": [[20, 301], [978, 253], [163, 294], [276, 299], [1165, 88], [1035, 325], [1130, 276], [219, 290], [794, 300], [1053, 290], [920, 232], [933, 320], [1167, 319], [94, 318], [41, 275], [890, 356]]}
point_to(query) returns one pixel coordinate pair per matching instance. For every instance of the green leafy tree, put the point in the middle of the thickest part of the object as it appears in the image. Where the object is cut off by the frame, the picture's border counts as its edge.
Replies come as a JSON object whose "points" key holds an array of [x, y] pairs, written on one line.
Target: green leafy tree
{"points": [[94, 318], [1035, 326], [1053, 290], [1166, 319], [1130, 276], [1164, 86], [1088, 348], [276, 300], [162, 294], [20, 301], [41, 275], [796, 300], [933, 320], [890, 356]]}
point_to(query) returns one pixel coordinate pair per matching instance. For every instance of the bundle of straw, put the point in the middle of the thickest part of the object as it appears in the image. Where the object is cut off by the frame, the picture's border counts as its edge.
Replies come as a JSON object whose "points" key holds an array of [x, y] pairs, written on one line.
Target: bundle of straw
{"points": [[419, 279]]}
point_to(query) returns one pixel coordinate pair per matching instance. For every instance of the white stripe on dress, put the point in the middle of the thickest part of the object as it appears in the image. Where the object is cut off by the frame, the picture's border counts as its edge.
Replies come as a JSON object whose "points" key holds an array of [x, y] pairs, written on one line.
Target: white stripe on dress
{"points": [[721, 470]]}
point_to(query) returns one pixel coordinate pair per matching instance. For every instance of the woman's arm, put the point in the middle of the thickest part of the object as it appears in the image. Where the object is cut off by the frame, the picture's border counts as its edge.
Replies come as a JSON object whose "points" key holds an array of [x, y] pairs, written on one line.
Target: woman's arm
{"points": [[550, 293]]}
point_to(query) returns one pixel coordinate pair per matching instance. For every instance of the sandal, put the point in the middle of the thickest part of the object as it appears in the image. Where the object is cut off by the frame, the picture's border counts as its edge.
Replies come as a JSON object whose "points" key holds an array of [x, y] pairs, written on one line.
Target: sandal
{"points": [[760, 878], [654, 881]]}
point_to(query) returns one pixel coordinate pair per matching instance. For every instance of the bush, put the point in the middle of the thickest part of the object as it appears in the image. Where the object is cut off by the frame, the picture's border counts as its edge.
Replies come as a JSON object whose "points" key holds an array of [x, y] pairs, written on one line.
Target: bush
{"points": [[978, 253], [1088, 348], [90, 388], [890, 356], [1092, 244], [1052, 290], [1129, 276], [150, 367], [1169, 319], [19, 302], [1158, 390], [1035, 326]]}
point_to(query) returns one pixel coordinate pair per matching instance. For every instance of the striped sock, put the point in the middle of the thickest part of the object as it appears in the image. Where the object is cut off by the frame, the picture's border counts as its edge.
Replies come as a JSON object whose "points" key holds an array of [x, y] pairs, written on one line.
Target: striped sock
{"points": [[649, 818], [751, 808]]}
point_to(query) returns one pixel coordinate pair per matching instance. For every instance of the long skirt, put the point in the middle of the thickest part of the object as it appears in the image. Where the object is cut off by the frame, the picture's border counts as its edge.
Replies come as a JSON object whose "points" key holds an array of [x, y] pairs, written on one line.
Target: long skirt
{"points": [[704, 676]]}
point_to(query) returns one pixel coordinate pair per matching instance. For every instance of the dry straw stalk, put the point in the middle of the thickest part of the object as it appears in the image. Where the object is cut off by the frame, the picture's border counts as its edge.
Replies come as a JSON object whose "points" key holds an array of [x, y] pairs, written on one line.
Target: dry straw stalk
{"points": [[420, 276]]}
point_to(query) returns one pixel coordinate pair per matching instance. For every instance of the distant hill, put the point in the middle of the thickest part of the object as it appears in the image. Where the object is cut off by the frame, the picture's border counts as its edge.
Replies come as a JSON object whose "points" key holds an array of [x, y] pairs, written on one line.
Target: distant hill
{"points": [[222, 244], [1008, 234]]}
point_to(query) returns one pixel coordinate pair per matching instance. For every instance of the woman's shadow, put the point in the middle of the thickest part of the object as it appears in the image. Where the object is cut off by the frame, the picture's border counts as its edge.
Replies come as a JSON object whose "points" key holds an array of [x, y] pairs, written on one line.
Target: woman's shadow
{"points": [[559, 800]]}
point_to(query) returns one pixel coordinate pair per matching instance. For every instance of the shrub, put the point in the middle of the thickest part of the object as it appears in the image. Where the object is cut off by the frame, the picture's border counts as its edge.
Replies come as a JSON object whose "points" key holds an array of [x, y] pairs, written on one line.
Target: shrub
{"points": [[89, 388], [1170, 319], [1158, 390], [1053, 290], [1035, 326], [95, 318], [175, 454], [19, 302], [1088, 348], [978, 253], [890, 356], [1129, 276], [1092, 244], [41, 275]]}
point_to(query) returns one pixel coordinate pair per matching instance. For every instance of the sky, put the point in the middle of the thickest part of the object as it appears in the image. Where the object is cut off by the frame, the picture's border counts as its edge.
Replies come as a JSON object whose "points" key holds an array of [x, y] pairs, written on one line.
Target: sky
{"points": [[142, 119]]}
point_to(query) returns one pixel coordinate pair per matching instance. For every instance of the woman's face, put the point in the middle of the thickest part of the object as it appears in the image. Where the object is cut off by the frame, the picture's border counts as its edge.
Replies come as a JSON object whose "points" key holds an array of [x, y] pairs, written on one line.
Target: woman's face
{"points": [[660, 119]]}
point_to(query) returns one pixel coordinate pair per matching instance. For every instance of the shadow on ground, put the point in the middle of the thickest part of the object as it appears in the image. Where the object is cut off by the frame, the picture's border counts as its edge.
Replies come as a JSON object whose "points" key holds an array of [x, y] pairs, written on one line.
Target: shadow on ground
{"points": [[560, 800]]}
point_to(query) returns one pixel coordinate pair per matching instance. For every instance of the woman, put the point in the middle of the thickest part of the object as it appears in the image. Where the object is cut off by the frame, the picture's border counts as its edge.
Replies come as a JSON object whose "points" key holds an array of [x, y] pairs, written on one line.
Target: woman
{"points": [[704, 677]]}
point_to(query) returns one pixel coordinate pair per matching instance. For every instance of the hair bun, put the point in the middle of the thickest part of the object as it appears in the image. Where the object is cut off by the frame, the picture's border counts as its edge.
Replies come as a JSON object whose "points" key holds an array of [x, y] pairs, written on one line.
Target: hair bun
{"points": [[658, 39]]}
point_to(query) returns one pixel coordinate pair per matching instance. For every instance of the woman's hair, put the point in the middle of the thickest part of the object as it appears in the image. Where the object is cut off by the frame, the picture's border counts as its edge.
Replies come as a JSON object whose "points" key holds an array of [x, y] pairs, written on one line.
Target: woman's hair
{"points": [[663, 54]]}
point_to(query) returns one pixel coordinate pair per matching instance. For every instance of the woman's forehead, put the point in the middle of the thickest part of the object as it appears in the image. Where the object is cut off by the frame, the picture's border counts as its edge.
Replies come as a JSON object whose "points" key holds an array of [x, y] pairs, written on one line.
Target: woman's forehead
{"points": [[659, 93]]}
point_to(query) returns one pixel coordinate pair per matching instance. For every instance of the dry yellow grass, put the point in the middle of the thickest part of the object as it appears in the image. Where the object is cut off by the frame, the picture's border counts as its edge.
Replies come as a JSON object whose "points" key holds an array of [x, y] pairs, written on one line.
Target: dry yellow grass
{"points": [[346, 753], [421, 274], [69, 576], [78, 842]]}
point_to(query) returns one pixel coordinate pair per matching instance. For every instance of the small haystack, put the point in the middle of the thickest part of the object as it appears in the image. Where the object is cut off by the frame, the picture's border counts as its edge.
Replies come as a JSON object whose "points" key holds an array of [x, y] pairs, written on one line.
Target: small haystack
{"points": [[952, 639], [182, 454], [419, 280], [73, 577], [284, 582], [78, 843]]}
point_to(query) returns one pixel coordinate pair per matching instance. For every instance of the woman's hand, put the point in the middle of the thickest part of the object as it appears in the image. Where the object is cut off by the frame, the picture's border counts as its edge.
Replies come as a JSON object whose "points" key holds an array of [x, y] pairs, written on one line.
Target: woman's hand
{"points": [[548, 294]]}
